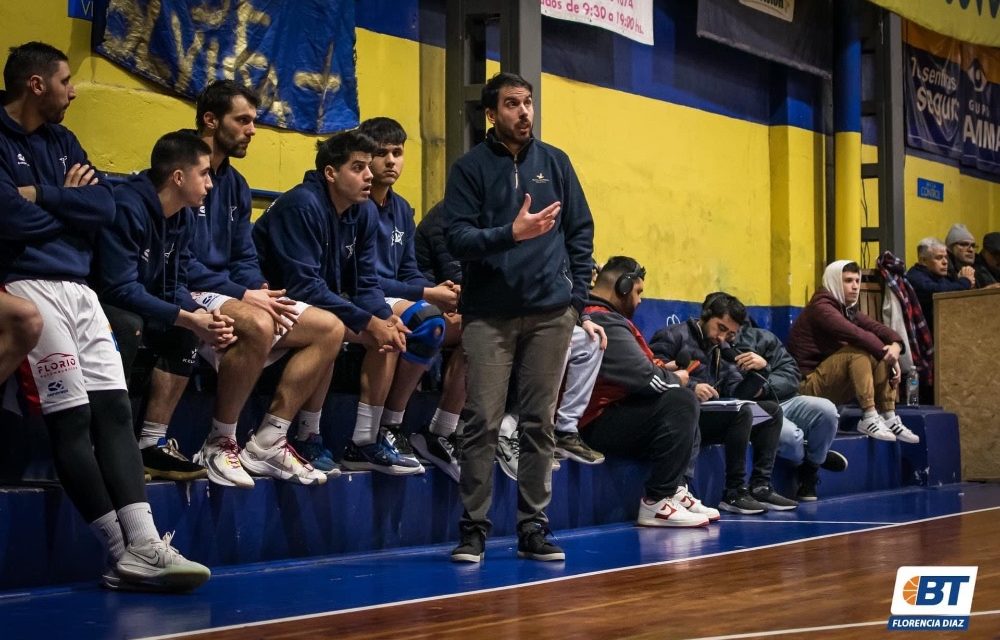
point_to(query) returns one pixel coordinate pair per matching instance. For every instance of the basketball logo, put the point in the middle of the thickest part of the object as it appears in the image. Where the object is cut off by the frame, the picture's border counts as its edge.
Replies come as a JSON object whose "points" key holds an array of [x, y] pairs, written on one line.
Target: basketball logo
{"points": [[910, 590]]}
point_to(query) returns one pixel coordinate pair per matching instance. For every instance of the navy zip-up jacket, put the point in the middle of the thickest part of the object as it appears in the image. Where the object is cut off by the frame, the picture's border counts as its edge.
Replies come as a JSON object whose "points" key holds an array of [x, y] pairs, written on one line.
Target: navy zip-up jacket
{"points": [[221, 240], [501, 277], [321, 258], [431, 248], [396, 259], [140, 263], [51, 238]]}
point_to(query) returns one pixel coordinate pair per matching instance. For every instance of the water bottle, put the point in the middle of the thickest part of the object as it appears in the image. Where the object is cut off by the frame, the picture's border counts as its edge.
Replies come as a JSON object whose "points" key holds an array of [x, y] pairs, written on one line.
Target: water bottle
{"points": [[913, 388]]}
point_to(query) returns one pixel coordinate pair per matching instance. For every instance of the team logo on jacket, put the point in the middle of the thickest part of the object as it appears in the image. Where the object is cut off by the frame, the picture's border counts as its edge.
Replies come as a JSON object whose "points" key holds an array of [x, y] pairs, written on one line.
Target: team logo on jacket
{"points": [[145, 255], [540, 178], [21, 161], [201, 211], [63, 161], [397, 236], [350, 247], [55, 364]]}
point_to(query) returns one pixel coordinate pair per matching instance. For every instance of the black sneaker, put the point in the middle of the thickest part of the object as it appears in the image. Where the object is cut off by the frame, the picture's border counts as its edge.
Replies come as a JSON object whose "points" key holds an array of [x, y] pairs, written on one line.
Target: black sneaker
{"points": [[740, 501], [471, 548], [531, 543], [570, 445], [835, 461], [771, 499], [395, 435], [438, 450], [808, 474], [163, 460]]}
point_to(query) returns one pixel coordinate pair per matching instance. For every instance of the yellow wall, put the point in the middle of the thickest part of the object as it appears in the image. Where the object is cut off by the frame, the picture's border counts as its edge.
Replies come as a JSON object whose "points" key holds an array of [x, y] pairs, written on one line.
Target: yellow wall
{"points": [[704, 201]]}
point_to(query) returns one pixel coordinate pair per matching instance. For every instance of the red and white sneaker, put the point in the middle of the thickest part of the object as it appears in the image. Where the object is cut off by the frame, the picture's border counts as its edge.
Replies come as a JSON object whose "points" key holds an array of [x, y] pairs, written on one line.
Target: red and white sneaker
{"points": [[668, 513], [694, 505], [221, 456], [280, 461]]}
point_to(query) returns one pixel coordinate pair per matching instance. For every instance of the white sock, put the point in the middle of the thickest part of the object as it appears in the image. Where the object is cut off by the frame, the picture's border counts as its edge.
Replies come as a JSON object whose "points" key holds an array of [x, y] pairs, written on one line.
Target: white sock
{"points": [[508, 425], [137, 522], [889, 416], [392, 417], [221, 429], [366, 424], [109, 532], [272, 429], [443, 423], [151, 434], [870, 413], [308, 423]]}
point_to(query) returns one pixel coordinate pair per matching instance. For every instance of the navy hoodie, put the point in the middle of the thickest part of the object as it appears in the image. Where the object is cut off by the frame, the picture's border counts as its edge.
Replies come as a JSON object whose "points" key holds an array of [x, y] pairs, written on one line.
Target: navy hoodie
{"points": [[501, 277], [396, 259], [141, 264], [221, 240], [53, 237], [321, 258]]}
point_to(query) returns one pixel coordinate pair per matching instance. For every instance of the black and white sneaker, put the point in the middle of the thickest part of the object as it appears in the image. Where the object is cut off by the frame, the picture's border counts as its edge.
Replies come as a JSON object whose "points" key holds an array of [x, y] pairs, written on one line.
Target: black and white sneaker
{"points": [[740, 501], [771, 499], [835, 461], [471, 548], [164, 460], [394, 434], [532, 543], [438, 450]]}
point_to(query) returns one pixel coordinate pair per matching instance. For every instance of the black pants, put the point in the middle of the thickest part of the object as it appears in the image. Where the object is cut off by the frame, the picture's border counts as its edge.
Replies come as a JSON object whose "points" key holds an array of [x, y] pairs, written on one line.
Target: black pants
{"points": [[733, 430], [657, 428]]}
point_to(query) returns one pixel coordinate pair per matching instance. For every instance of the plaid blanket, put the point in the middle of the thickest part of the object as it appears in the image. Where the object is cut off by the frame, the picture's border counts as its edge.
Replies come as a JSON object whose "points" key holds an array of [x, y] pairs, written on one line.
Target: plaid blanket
{"points": [[921, 341]]}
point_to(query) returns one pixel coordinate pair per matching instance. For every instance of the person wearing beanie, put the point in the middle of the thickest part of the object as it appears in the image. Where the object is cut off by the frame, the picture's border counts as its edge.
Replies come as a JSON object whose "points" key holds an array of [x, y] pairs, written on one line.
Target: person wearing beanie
{"points": [[961, 249], [987, 262]]}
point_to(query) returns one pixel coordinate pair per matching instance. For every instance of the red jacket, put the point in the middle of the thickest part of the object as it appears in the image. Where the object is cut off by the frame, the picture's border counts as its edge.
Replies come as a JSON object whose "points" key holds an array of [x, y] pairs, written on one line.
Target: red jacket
{"points": [[823, 329]]}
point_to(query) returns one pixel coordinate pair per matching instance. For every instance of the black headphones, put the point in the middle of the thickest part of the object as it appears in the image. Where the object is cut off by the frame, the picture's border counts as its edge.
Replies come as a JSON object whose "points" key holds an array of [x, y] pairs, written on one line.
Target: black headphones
{"points": [[714, 305], [626, 281]]}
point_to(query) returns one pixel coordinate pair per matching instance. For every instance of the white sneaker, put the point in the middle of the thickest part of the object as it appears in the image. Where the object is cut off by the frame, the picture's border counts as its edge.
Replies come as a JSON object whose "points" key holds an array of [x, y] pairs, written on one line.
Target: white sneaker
{"points": [[899, 430], [668, 513], [874, 427], [694, 505], [154, 565], [221, 456], [280, 461]]}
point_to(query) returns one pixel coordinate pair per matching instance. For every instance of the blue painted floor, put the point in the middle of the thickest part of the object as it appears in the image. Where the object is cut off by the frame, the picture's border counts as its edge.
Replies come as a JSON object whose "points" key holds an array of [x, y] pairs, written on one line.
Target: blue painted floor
{"points": [[249, 593]]}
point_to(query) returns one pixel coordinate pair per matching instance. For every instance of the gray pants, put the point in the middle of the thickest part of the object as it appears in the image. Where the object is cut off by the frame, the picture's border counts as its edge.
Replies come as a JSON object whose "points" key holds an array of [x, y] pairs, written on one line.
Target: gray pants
{"points": [[536, 345]]}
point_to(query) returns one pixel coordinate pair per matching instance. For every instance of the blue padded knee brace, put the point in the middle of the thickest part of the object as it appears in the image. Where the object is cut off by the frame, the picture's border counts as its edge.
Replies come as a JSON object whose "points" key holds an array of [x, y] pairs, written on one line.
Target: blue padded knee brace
{"points": [[426, 325]]}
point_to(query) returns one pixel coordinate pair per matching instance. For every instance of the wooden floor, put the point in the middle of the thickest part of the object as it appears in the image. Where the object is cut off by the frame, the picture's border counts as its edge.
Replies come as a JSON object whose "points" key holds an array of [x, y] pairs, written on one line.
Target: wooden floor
{"points": [[828, 582]]}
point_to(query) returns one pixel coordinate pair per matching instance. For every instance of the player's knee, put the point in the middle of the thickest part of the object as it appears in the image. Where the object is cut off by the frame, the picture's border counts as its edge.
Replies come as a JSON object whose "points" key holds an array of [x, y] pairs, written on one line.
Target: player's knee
{"points": [[426, 325]]}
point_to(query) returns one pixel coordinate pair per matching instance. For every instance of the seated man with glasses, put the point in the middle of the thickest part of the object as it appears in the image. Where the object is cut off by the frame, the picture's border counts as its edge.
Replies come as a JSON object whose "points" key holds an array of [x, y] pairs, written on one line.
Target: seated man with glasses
{"points": [[961, 252]]}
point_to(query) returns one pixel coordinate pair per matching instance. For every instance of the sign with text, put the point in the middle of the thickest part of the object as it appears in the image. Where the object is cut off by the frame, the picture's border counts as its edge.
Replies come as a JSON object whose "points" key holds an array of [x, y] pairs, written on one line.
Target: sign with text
{"points": [[952, 98], [298, 57], [630, 18], [930, 189]]}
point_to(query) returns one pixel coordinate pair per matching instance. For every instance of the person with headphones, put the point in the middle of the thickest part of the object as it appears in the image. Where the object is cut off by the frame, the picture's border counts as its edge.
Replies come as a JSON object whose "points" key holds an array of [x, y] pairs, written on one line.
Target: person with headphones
{"points": [[714, 373], [640, 406]]}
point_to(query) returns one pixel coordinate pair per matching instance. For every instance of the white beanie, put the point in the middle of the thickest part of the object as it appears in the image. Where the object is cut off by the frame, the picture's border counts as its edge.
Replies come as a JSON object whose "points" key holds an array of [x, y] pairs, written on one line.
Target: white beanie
{"points": [[958, 233]]}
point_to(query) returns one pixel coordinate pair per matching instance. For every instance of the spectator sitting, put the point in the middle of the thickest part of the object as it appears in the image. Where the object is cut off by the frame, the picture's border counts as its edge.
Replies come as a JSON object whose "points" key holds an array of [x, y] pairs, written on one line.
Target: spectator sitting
{"points": [[845, 355], [640, 407], [987, 262], [961, 246], [433, 258], [704, 339], [930, 275], [809, 424]]}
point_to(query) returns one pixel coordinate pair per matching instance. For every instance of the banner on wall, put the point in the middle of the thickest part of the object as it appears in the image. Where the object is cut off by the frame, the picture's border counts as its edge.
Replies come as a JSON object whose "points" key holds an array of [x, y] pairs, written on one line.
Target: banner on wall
{"points": [[974, 21], [630, 18], [793, 33], [298, 57], [952, 97]]}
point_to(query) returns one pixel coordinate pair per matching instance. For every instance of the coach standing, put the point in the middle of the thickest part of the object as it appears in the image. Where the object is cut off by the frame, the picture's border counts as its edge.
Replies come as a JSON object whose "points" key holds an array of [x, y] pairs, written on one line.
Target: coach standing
{"points": [[525, 281]]}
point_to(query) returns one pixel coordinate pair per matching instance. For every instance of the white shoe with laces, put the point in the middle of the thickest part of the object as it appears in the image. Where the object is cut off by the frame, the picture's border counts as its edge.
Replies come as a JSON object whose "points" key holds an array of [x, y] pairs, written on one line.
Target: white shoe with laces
{"points": [[899, 430], [874, 427], [280, 461], [221, 456], [694, 505], [154, 565], [668, 512]]}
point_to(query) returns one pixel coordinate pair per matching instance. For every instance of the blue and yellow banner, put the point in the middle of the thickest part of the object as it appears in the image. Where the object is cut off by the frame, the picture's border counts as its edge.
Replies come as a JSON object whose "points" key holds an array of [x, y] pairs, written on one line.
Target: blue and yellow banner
{"points": [[973, 21], [952, 92], [298, 57]]}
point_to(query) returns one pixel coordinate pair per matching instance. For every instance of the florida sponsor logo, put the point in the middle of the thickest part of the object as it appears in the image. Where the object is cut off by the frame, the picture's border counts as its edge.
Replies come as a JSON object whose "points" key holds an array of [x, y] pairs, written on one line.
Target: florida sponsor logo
{"points": [[55, 364], [932, 598]]}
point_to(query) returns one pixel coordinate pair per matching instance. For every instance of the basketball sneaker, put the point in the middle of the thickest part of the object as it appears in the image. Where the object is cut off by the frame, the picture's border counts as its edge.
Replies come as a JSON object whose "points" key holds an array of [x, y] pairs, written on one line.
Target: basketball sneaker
{"points": [[570, 445], [279, 461], [899, 430], [668, 512], [874, 427], [532, 543], [771, 499], [379, 456], [471, 547], [438, 450], [834, 461], [694, 505], [508, 451], [164, 460], [312, 451], [221, 456], [397, 437], [740, 501], [154, 565]]}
